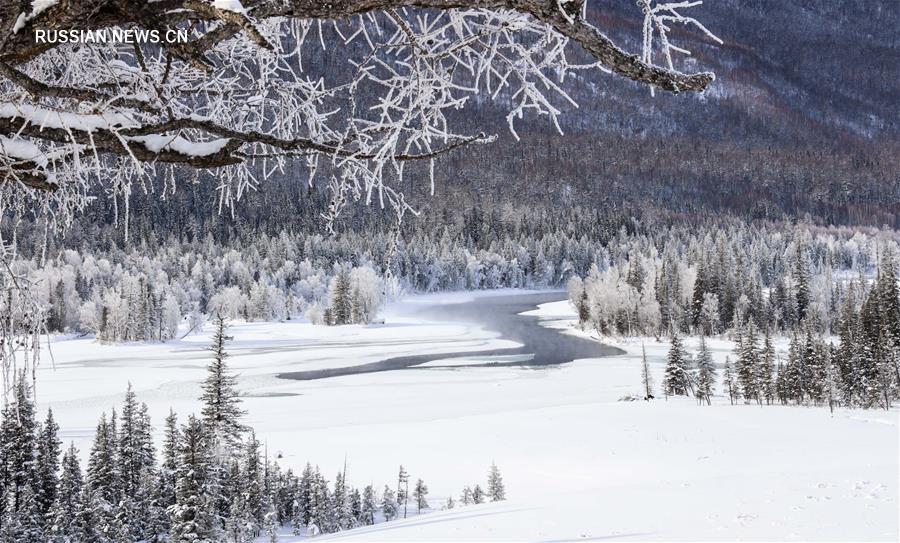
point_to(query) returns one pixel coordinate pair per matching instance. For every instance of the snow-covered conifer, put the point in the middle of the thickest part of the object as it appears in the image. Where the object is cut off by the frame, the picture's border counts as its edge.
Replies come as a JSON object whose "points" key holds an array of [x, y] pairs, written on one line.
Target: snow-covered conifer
{"points": [[706, 373], [676, 381], [192, 515], [477, 494], [388, 504], [368, 505], [420, 492], [221, 401], [730, 383]]}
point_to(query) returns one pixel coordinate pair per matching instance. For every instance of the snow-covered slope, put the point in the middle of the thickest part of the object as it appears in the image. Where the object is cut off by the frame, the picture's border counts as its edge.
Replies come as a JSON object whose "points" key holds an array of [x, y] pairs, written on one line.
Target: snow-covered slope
{"points": [[578, 463]]}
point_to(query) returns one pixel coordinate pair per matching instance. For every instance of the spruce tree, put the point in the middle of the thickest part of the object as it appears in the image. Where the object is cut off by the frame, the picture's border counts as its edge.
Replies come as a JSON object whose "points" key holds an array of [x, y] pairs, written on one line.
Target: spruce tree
{"points": [[402, 489], [102, 476], [253, 493], [167, 475], [29, 520], [236, 524], [466, 497], [646, 377], [221, 401], [477, 494], [47, 464], [192, 516], [368, 505], [584, 308], [676, 381], [63, 517], [136, 467], [730, 383], [706, 373], [766, 368], [748, 362], [801, 283], [341, 503], [270, 526], [496, 489], [91, 522], [420, 491], [17, 436], [305, 494], [388, 504], [794, 372], [341, 297], [296, 518]]}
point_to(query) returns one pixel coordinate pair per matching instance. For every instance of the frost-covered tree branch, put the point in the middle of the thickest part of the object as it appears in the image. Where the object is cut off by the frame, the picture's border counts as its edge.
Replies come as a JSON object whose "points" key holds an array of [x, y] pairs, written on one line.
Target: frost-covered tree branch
{"points": [[236, 98]]}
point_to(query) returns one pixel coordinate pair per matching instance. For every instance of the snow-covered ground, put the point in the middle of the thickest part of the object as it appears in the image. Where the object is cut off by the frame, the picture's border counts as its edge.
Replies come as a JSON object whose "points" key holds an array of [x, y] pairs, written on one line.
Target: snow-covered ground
{"points": [[578, 463]]}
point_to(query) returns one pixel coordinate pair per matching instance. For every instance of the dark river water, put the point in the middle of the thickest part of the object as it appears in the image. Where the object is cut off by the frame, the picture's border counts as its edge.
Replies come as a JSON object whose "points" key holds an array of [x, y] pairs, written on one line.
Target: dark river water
{"points": [[541, 346]]}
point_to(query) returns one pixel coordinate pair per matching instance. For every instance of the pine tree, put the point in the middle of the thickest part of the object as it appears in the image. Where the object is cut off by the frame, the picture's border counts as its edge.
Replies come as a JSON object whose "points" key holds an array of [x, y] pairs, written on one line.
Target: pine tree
{"points": [[305, 494], [270, 525], [813, 367], [17, 436], [584, 308], [766, 368], [168, 467], [322, 509], [368, 505], [748, 363], [466, 497], [646, 377], [91, 517], [730, 383], [341, 297], [136, 465], [496, 489], [477, 494], [47, 478], [831, 374], [388, 504], [676, 381], [253, 493], [103, 477], [706, 374], [402, 489], [192, 518], [782, 387], [236, 524], [356, 509], [221, 401], [420, 491], [296, 518], [801, 283], [795, 373], [64, 513], [29, 520], [341, 504]]}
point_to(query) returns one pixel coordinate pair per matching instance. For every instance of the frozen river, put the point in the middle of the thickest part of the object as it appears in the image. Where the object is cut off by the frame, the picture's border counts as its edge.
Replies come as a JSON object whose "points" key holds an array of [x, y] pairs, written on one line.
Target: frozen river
{"points": [[540, 346]]}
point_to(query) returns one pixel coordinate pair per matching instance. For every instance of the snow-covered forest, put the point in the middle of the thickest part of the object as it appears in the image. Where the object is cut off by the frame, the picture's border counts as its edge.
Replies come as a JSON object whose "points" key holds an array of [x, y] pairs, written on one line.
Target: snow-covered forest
{"points": [[212, 479], [639, 278]]}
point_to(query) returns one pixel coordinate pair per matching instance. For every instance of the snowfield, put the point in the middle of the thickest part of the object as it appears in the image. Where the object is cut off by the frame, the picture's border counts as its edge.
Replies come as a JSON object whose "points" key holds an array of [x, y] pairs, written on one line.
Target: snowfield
{"points": [[578, 463]]}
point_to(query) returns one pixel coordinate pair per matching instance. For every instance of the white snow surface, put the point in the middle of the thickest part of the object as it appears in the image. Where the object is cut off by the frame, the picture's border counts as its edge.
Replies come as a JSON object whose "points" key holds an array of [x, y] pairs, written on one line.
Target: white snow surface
{"points": [[578, 464]]}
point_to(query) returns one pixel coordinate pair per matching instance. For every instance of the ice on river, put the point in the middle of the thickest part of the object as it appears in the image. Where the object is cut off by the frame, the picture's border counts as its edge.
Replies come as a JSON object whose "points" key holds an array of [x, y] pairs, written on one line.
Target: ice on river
{"points": [[578, 463]]}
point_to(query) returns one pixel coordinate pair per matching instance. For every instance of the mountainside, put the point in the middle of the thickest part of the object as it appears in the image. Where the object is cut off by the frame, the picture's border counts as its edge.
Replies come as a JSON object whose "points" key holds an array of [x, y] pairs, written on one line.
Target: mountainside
{"points": [[800, 123], [801, 120]]}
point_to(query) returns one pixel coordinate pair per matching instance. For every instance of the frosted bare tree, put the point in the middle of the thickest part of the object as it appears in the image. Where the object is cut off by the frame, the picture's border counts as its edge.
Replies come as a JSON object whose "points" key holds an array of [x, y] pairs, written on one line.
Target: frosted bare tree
{"points": [[234, 102]]}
